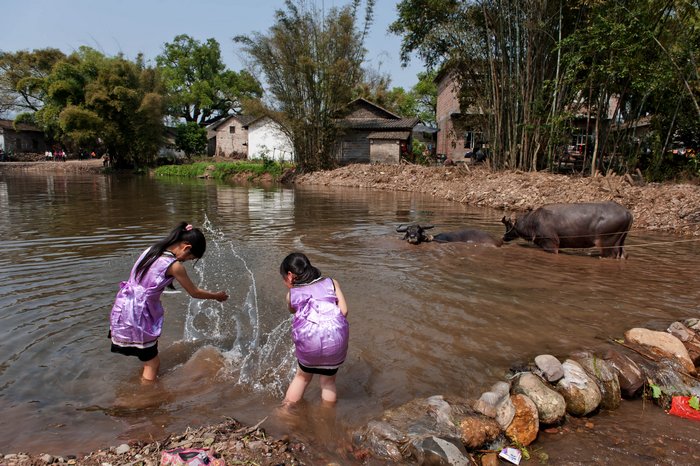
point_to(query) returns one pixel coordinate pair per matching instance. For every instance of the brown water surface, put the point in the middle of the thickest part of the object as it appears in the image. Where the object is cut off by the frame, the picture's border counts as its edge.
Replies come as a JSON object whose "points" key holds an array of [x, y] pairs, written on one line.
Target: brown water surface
{"points": [[432, 319]]}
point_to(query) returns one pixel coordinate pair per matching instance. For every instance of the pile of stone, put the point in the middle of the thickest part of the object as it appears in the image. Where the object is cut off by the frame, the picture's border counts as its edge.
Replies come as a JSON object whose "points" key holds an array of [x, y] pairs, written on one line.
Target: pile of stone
{"points": [[456, 431]]}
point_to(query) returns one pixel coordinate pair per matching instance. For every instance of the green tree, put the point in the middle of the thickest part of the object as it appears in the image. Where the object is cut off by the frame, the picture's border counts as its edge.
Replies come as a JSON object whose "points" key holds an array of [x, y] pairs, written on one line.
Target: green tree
{"points": [[93, 100], [22, 78], [191, 138], [312, 62], [200, 88]]}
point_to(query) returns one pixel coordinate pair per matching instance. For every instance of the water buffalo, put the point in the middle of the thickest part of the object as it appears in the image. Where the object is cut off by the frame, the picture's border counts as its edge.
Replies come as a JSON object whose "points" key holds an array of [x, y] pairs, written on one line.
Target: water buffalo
{"points": [[603, 225], [415, 234]]}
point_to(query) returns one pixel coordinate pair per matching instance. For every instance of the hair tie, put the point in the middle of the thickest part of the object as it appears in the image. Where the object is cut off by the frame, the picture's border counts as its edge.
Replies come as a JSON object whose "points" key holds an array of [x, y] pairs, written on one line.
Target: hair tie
{"points": [[188, 227]]}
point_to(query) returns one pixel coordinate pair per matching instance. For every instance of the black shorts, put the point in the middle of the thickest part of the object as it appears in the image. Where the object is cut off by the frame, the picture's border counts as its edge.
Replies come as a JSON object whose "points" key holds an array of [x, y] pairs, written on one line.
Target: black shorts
{"points": [[317, 370], [144, 354]]}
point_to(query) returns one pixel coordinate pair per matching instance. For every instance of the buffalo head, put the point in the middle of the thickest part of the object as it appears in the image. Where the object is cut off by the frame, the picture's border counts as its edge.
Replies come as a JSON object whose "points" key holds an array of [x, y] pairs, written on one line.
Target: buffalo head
{"points": [[415, 233], [511, 232]]}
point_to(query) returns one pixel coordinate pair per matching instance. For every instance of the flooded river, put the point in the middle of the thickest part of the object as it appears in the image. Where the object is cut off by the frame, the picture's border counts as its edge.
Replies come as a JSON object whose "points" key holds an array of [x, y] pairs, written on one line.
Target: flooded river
{"points": [[432, 319]]}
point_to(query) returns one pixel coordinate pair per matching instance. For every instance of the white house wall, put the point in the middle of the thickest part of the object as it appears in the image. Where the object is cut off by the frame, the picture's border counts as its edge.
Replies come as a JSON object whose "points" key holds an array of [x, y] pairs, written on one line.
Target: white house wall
{"points": [[266, 139]]}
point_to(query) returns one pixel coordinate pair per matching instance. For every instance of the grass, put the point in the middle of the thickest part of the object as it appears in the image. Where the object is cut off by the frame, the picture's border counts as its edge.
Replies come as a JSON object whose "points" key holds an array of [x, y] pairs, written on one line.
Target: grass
{"points": [[223, 170]]}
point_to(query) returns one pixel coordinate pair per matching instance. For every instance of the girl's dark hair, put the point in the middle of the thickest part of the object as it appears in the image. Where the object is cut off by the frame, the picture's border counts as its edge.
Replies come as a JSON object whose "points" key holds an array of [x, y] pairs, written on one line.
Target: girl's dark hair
{"points": [[181, 233], [301, 267]]}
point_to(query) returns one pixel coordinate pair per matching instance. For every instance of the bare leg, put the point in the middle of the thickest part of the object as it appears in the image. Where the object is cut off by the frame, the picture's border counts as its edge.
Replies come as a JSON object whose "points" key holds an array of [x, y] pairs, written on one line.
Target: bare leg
{"points": [[296, 389], [328, 392], [150, 368]]}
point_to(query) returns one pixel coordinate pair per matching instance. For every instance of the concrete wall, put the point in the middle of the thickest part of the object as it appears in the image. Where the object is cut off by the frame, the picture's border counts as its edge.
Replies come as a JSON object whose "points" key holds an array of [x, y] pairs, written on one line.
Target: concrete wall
{"points": [[266, 139], [232, 144], [384, 151]]}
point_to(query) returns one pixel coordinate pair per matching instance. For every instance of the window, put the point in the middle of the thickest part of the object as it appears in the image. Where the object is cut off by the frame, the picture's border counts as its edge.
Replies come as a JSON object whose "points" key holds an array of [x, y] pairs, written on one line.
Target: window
{"points": [[231, 129], [471, 139]]}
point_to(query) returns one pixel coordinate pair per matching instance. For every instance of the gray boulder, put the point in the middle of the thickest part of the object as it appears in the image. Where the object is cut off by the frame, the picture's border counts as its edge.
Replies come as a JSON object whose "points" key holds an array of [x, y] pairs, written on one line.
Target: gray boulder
{"points": [[581, 393], [550, 367], [604, 376], [551, 406]]}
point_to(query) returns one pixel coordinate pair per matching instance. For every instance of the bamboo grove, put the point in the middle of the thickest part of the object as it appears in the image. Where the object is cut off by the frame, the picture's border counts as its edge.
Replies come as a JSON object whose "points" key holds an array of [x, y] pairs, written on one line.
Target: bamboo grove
{"points": [[528, 68]]}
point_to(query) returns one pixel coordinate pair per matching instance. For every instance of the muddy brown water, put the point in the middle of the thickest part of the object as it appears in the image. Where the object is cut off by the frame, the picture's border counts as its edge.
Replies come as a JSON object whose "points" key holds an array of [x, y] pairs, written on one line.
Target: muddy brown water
{"points": [[431, 319]]}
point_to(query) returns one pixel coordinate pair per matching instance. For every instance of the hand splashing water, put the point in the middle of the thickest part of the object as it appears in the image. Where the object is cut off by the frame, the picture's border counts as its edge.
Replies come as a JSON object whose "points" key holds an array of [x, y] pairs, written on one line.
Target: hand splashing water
{"points": [[263, 363]]}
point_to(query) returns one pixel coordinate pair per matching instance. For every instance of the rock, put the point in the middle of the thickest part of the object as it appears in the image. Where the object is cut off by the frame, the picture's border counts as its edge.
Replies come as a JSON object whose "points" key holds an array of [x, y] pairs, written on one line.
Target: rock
{"points": [[478, 430], [490, 459], [692, 323], [662, 344], [581, 393], [489, 401], [629, 374], [412, 423], [122, 449], [505, 413], [550, 366], [689, 339], [604, 376], [437, 451], [525, 425], [551, 406], [382, 440], [48, 459], [501, 388]]}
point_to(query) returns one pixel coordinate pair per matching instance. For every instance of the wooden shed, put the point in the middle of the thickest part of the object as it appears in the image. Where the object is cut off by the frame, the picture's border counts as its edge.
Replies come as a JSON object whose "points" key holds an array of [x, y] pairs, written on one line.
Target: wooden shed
{"points": [[372, 134]]}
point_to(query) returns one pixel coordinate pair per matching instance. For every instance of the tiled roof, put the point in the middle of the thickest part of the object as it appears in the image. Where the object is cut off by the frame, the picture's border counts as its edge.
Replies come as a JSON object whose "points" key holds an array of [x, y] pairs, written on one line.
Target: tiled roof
{"points": [[9, 124], [402, 123], [244, 119], [402, 135]]}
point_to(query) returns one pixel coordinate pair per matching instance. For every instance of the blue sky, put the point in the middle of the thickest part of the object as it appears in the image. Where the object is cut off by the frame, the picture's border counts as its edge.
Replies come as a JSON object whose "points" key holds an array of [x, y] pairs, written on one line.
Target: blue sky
{"points": [[133, 26]]}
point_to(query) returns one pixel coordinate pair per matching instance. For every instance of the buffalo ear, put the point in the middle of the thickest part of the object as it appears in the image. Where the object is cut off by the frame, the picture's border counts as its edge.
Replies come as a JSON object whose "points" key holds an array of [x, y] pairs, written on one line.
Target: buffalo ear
{"points": [[508, 222], [428, 227], [401, 229]]}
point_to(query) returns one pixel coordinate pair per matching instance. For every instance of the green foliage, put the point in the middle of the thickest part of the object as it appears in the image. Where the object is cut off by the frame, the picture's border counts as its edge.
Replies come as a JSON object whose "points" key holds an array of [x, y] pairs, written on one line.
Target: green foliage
{"points": [[191, 138], [200, 88], [312, 61], [530, 72], [655, 391], [694, 403], [223, 170], [22, 78]]}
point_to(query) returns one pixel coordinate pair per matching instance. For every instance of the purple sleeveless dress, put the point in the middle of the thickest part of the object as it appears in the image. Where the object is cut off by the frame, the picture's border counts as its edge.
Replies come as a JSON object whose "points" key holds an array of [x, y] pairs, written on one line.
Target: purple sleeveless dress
{"points": [[137, 315], [319, 329]]}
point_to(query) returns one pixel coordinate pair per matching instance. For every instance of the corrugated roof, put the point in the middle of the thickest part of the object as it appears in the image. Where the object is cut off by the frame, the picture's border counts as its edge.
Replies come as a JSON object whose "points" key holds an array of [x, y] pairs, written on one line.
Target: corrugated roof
{"points": [[400, 135]]}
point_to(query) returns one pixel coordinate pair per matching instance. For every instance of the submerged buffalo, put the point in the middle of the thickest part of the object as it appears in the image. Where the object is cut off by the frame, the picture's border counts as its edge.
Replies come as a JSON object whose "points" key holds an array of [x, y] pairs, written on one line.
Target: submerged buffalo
{"points": [[552, 227], [415, 234]]}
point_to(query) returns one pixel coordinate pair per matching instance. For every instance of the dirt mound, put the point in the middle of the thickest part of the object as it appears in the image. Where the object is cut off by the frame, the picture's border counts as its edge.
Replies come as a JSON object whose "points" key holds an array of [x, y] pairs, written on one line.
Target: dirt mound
{"points": [[667, 207]]}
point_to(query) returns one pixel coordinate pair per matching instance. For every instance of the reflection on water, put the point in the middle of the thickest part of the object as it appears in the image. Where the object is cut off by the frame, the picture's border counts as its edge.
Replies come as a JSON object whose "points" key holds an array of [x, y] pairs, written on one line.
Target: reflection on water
{"points": [[424, 320]]}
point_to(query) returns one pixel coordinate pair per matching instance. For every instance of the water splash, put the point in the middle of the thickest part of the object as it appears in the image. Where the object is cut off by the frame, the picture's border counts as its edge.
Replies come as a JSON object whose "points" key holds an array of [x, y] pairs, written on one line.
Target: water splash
{"points": [[262, 363]]}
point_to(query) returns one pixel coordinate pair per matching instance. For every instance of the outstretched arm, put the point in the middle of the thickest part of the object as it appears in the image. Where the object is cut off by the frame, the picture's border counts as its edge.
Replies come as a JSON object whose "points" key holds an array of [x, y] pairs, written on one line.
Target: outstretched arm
{"points": [[178, 271]]}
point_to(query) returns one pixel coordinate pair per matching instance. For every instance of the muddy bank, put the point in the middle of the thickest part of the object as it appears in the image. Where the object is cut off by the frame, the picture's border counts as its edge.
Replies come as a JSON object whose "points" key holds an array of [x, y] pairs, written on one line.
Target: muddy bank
{"points": [[69, 166], [673, 208], [230, 441]]}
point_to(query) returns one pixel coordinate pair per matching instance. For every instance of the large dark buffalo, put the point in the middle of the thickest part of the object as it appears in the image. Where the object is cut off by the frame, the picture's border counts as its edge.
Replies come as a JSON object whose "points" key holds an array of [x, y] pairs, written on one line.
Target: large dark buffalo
{"points": [[415, 234], [552, 227]]}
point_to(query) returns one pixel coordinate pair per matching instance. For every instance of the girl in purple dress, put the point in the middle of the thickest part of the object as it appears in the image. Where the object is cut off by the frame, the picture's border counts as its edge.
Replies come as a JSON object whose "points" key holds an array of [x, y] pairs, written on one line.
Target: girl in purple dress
{"points": [[320, 328], [137, 315]]}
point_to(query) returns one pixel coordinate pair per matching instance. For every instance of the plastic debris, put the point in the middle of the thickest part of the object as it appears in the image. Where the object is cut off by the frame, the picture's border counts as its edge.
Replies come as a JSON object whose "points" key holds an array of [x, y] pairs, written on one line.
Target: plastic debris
{"points": [[512, 455]]}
